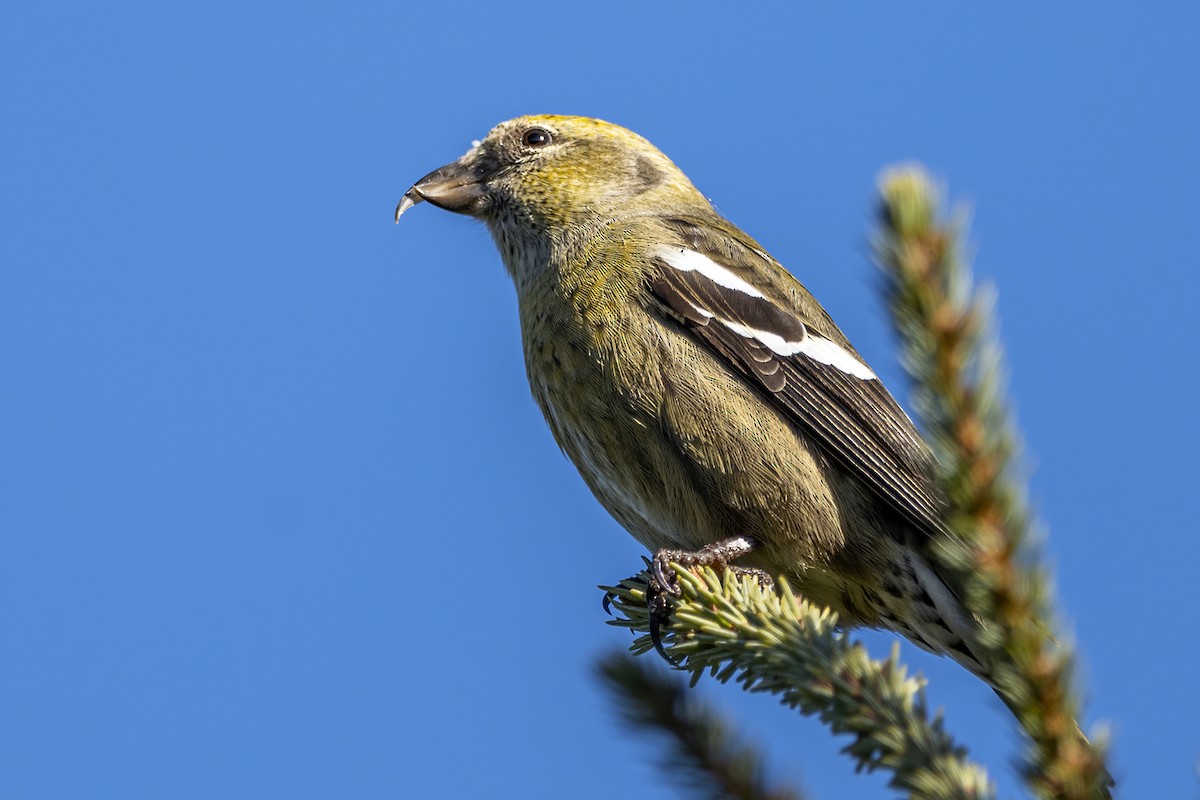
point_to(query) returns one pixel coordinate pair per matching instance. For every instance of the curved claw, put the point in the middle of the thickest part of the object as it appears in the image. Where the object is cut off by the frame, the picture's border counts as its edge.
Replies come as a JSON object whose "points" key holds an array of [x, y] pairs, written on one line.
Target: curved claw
{"points": [[658, 600], [656, 638], [665, 577], [660, 612]]}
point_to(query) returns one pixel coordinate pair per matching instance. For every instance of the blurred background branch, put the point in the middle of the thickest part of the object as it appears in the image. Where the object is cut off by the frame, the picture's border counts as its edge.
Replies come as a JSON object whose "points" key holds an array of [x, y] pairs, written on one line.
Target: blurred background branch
{"points": [[704, 754], [951, 351]]}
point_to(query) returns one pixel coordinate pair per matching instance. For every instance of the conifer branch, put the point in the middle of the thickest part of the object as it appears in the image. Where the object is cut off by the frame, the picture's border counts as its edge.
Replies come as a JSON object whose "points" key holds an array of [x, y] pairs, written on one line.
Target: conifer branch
{"points": [[730, 627], [956, 363]]}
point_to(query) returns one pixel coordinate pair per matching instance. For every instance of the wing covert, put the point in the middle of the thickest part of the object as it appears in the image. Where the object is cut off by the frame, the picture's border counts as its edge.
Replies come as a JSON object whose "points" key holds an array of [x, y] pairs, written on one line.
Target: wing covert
{"points": [[822, 386]]}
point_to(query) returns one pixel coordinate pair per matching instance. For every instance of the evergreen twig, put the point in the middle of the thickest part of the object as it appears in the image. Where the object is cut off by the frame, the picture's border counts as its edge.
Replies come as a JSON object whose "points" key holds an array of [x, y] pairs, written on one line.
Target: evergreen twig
{"points": [[730, 627]]}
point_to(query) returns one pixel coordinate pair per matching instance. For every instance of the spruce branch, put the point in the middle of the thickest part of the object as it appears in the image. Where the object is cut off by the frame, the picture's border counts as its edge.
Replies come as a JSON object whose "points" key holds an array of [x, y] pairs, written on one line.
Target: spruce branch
{"points": [[731, 627], [955, 360], [705, 755]]}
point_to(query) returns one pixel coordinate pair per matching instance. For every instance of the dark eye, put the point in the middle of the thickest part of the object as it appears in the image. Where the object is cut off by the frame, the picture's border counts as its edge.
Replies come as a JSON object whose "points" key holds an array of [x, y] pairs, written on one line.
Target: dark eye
{"points": [[536, 137]]}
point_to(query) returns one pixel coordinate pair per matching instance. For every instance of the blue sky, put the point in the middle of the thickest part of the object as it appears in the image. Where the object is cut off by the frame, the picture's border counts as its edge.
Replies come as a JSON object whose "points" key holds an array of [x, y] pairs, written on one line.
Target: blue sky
{"points": [[278, 516]]}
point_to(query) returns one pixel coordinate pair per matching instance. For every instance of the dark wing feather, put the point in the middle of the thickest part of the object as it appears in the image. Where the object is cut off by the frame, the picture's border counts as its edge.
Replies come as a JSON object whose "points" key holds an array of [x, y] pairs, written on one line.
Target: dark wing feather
{"points": [[854, 420]]}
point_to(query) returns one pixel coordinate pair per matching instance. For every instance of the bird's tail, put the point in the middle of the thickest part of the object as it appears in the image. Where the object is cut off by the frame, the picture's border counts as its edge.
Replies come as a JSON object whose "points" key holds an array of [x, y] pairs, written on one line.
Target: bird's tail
{"points": [[921, 605], [936, 620]]}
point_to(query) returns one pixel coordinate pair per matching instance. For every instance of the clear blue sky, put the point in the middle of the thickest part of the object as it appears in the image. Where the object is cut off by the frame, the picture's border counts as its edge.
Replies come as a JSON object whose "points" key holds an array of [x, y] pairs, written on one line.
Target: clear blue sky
{"points": [[278, 516]]}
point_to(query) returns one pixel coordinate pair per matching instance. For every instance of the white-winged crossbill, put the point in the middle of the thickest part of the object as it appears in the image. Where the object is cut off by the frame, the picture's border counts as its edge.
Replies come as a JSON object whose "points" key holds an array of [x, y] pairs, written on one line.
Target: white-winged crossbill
{"points": [[707, 399]]}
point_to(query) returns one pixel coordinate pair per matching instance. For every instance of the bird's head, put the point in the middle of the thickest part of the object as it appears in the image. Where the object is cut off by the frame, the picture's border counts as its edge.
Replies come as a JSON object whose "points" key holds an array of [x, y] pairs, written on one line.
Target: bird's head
{"points": [[549, 172]]}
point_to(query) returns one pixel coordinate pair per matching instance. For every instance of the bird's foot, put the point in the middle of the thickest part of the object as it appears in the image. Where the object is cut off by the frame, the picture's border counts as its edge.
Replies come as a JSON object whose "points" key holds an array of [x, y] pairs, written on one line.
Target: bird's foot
{"points": [[663, 586], [717, 554]]}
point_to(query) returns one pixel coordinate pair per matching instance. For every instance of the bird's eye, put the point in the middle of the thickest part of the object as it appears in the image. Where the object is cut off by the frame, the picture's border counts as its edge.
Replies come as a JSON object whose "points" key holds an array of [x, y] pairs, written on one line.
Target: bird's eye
{"points": [[536, 137]]}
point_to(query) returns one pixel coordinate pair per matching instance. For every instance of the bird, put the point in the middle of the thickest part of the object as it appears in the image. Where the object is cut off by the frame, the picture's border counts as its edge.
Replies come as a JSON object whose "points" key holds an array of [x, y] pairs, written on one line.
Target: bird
{"points": [[707, 399]]}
